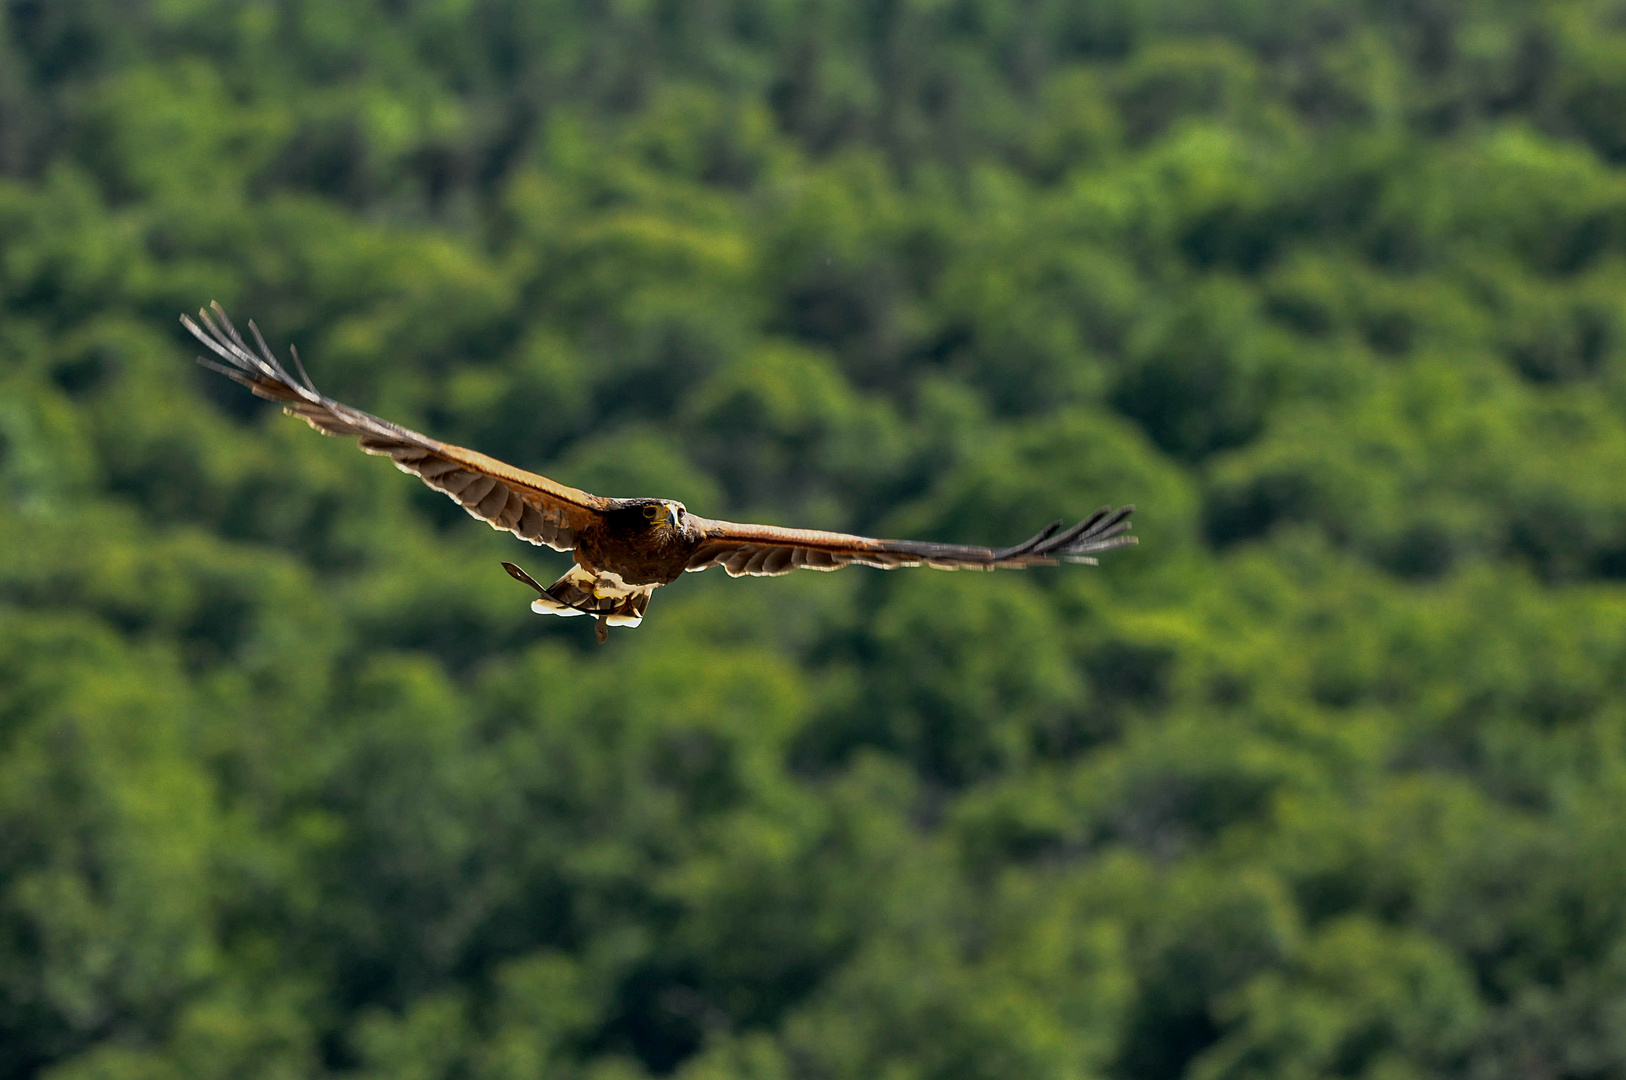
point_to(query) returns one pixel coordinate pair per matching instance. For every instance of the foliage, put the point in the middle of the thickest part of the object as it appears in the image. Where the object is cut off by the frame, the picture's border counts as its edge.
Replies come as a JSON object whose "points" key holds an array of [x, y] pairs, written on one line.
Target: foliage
{"points": [[1322, 780]]}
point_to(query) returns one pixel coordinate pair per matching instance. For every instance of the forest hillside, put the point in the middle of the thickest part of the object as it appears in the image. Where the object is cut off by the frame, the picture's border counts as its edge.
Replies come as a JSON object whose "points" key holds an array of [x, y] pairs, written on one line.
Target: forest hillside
{"points": [[1327, 778]]}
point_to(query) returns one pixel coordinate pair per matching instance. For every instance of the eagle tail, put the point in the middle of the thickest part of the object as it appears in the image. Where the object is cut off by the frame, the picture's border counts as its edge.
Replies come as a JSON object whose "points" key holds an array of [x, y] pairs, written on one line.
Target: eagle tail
{"points": [[582, 592]]}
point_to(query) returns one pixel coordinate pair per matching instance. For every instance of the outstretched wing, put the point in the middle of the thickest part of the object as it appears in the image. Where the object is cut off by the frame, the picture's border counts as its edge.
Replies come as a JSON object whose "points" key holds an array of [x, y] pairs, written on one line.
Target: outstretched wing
{"points": [[765, 550], [531, 507]]}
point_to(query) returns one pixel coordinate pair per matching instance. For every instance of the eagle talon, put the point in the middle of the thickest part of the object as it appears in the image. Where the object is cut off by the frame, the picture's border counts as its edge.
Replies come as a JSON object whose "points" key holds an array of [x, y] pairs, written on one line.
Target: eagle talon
{"points": [[602, 631]]}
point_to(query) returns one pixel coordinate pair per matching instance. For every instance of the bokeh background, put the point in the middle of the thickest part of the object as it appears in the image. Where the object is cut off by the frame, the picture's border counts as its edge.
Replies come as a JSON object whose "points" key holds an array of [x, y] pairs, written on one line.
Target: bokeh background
{"points": [[1326, 779]]}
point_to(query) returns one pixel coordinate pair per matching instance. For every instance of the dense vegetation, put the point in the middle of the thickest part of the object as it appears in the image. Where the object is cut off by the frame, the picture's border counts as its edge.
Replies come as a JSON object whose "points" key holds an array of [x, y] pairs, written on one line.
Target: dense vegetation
{"points": [[1326, 779]]}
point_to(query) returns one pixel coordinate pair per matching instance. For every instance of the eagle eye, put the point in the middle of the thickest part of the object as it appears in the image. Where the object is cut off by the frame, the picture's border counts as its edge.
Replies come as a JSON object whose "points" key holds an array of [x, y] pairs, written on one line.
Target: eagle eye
{"points": [[650, 512]]}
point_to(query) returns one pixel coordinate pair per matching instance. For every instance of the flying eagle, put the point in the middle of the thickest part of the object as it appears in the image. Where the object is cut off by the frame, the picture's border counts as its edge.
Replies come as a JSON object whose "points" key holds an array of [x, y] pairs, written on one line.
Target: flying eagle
{"points": [[624, 548]]}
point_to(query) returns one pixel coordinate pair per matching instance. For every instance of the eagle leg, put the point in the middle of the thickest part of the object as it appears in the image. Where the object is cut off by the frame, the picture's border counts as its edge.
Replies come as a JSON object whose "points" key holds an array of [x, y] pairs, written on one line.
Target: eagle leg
{"points": [[603, 629]]}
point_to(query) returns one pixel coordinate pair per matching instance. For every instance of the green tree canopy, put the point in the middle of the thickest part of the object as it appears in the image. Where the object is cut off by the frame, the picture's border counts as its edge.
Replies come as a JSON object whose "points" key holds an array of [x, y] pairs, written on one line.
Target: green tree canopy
{"points": [[1324, 780]]}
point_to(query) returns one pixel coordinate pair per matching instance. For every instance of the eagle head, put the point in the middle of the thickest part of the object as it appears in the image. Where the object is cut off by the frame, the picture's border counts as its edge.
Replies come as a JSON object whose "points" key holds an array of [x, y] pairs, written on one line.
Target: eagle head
{"points": [[665, 514]]}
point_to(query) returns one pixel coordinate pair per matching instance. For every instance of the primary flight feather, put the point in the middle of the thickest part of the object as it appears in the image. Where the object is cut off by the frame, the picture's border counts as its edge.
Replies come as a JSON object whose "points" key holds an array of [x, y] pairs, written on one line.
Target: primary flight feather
{"points": [[624, 548]]}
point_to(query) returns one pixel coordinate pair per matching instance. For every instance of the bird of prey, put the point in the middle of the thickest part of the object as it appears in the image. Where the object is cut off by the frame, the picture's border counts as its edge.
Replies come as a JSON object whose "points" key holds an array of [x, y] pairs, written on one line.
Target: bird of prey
{"points": [[624, 549]]}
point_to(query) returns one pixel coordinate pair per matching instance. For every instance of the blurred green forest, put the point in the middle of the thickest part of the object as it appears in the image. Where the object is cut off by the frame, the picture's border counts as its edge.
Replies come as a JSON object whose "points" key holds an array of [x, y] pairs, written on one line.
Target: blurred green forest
{"points": [[1326, 779]]}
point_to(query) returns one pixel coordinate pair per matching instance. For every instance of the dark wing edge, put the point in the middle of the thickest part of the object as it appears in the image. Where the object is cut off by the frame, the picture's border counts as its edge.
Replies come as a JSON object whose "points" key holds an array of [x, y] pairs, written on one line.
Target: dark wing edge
{"points": [[766, 550], [531, 507]]}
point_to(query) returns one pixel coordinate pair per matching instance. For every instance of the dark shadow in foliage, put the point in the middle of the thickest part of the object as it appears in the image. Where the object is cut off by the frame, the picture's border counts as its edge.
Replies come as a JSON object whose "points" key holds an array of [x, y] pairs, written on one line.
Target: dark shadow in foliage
{"points": [[1170, 83], [60, 41], [1196, 388], [328, 159], [1595, 102], [1211, 946], [460, 636], [80, 376], [805, 110], [1561, 542], [1565, 348], [1126, 675], [222, 619], [1164, 1034], [1234, 513], [672, 361], [1070, 735], [658, 1017], [1423, 551], [1609, 561], [1166, 814], [1233, 236], [1391, 333], [846, 310], [272, 510]]}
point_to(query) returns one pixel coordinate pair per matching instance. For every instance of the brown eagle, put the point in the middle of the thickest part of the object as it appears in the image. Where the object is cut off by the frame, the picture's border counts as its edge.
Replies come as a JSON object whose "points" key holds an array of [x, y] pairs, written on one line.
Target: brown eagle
{"points": [[624, 548]]}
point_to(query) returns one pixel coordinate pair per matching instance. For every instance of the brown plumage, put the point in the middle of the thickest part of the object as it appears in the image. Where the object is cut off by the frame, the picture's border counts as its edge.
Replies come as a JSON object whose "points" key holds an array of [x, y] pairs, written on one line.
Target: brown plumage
{"points": [[624, 548]]}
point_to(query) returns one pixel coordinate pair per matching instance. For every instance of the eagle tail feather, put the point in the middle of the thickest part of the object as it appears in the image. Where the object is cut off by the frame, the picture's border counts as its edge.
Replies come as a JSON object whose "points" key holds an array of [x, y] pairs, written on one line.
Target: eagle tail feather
{"points": [[582, 592]]}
